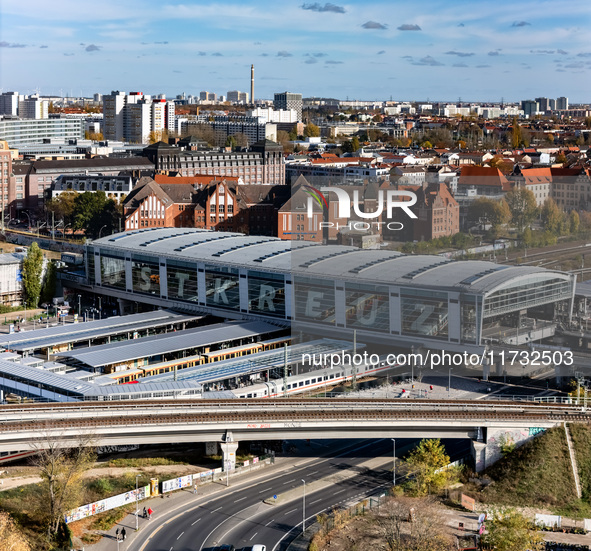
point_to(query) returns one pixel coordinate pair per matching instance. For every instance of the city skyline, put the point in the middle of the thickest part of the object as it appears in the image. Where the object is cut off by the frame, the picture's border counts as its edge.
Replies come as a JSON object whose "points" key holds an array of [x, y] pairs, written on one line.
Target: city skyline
{"points": [[365, 51]]}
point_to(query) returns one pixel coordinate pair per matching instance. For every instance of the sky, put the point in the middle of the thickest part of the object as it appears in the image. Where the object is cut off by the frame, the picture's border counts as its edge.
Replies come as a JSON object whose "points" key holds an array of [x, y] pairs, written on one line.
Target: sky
{"points": [[368, 50]]}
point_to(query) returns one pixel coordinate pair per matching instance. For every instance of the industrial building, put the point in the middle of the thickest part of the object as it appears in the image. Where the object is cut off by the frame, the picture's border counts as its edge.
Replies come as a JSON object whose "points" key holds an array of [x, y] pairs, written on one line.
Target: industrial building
{"points": [[331, 290]]}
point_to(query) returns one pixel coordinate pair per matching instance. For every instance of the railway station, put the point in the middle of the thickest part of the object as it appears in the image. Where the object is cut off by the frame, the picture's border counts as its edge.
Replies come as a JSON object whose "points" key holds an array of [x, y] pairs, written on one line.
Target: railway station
{"points": [[63, 337], [332, 290]]}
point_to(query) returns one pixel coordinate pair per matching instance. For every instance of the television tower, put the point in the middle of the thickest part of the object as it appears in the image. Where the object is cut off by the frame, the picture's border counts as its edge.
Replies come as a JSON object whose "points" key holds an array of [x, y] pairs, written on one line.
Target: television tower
{"points": [[252, 84]]}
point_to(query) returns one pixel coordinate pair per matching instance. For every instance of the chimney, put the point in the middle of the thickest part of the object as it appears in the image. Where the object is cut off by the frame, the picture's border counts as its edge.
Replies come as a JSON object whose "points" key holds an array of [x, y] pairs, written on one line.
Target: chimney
{"points": [[252, 84]]}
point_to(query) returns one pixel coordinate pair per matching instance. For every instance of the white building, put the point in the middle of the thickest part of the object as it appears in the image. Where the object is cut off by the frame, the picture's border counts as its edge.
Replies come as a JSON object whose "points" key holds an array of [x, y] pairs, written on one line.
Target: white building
{"points": [[33, 107], [133, 117], [268, 114], [11, 280]]}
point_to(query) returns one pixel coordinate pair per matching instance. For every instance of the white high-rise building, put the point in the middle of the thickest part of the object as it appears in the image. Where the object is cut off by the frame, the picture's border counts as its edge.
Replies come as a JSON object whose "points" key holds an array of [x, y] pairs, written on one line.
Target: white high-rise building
{"points": [[33, 107], [133, 117], [9, 103]]}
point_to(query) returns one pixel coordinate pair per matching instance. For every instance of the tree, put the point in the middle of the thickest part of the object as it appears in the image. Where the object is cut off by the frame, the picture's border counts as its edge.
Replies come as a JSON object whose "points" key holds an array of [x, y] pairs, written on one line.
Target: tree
{"points": [[574, 222], [231, 142], [61, 470], [32, 271], [293, 133], [412, 525], [93, 212], [62, 206], [515, 133], [552, 216], [48, 290], [10, 537], [428, 462], [427, 144], [522, 204], [509, 530], [311, 131], [488, 211]]}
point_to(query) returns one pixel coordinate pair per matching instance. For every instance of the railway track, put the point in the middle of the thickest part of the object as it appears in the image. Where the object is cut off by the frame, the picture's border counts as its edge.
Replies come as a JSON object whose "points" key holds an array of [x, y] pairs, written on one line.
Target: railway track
{"points": [[240, 412]]}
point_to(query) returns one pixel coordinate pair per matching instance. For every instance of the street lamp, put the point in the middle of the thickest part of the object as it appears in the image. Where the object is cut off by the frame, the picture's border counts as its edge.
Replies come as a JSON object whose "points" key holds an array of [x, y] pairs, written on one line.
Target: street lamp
{"points": [[304, 509], [394, 462], [137, 511], [79, 309], [25, 320], [102, 230]]}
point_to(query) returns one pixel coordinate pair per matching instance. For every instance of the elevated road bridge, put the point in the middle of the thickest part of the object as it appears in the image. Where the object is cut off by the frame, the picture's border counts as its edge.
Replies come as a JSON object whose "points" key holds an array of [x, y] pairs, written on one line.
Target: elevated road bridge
{"points": [[27, 426]]}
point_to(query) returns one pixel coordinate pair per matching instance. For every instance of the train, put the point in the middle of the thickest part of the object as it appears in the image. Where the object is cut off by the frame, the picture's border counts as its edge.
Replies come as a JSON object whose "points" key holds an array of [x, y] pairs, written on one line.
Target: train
{"points": [[312, 380], [136, 373]]}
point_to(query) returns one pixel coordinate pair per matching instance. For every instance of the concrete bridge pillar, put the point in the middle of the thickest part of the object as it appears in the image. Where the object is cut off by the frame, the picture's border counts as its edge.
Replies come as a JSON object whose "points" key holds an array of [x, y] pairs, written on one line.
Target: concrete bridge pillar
{"points": [[229, 455], [479, 455]]}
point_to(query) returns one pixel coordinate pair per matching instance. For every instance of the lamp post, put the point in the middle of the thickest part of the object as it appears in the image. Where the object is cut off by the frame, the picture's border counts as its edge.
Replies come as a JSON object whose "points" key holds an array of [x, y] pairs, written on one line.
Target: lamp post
{"points": [[394, 462], [137, 511], [102, 230], [304, 508], [79, 308], [25, 320], [47, 314]]}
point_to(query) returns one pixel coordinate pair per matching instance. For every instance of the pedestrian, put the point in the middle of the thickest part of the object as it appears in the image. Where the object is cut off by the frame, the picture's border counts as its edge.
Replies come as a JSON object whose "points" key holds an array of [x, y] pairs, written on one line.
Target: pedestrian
{"points": [[195, 488], [117, 534], [123, 534], [145, 513], [150, 513]]}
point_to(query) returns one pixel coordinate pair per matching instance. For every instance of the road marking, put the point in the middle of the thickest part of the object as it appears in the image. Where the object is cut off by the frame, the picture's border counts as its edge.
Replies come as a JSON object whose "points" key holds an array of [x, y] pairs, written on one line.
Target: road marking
{"points": [[196, 521], [289, 481], [179, 536], [265, 490], [253, 536], [315, 501], [314, 472], [337, 493], [216, 510], [240, 499], [269, 522], [290, 512]]}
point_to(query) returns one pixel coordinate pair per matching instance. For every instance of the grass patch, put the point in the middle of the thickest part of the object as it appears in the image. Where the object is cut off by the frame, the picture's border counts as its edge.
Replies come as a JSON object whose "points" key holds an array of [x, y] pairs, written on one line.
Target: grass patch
{"points": [[139, 462], [535, 474], [581, 437]]}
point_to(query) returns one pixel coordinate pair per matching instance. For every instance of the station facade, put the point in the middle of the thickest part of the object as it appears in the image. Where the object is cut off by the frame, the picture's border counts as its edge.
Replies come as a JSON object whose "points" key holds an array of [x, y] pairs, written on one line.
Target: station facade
{"points": [[329, 290]]}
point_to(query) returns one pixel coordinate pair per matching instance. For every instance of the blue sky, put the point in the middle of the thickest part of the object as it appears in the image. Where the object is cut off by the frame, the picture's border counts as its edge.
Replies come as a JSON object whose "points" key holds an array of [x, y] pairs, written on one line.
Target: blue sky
{"points": [[436, 50]]}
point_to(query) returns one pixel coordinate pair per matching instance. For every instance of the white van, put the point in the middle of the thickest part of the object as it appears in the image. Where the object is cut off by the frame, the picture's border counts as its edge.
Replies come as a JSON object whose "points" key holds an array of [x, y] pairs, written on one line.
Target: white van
{"points": [[259, 547]]}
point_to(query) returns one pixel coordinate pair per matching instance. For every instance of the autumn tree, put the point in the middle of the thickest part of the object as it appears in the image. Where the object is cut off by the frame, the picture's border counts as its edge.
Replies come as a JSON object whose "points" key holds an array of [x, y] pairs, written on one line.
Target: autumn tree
{"points": [[93, 212], [61, 469], [515, 133], [311, 131], [62, 206], [412, 524], [509, 530], [32, 272], [428, 464], [574, 222], [522, 204], [488, 211], [552, 216], [11, 538]]}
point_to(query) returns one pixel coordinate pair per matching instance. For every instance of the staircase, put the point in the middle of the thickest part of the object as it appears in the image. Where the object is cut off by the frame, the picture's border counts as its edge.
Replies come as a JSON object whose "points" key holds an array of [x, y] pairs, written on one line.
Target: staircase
{"points": [[573, 462]]}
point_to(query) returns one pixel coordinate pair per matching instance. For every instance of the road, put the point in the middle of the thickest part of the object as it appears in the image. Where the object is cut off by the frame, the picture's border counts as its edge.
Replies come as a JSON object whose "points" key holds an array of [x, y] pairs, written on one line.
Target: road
{"points": [[244, 515]]}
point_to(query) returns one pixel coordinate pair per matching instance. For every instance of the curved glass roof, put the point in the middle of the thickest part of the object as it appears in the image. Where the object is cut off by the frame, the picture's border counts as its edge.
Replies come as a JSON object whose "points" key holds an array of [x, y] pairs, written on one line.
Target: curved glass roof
{"points": [[314, 259]]}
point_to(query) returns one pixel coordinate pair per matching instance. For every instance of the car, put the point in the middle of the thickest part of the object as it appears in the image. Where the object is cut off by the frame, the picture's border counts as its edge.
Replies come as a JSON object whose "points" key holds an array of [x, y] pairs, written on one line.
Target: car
{"points": [[226, 547], [259, 547]]}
